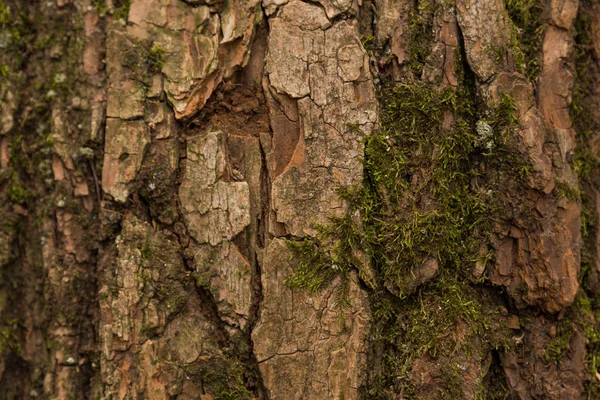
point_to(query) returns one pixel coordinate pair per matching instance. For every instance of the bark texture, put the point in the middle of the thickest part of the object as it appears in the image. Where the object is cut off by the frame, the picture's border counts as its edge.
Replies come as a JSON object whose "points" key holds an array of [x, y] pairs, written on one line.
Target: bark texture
{"points": [[286, 199]]}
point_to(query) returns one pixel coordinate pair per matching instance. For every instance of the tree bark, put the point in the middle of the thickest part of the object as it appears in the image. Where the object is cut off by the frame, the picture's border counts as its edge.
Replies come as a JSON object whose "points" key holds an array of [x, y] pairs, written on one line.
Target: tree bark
{"points": [[378, 199]]}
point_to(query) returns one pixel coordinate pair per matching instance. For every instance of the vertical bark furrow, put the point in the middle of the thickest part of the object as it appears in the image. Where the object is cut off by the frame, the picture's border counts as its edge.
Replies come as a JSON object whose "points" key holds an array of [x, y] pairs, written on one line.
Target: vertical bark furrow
{"points": [[52, 102]]}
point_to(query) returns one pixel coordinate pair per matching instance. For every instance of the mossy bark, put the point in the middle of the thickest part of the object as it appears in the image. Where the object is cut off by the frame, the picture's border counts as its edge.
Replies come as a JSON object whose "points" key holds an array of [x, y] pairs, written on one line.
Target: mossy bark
{"points": [[299, 200]]}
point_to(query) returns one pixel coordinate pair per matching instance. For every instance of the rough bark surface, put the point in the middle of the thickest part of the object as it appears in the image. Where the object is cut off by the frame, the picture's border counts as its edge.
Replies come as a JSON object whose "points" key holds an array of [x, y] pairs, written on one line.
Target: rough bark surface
{"points": [[166, 164]]}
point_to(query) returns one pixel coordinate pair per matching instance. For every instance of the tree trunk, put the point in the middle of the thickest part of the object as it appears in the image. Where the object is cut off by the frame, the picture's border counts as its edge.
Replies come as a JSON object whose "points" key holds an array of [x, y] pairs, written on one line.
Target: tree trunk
{"points": [[378, 199]]}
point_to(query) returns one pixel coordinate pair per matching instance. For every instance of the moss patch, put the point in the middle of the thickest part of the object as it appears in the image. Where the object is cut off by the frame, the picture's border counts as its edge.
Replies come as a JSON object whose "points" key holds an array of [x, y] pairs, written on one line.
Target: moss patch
{"points": [[586, 165], [144, 58], [8, 339], [420, 34], [155, 58], [226, 380], [123, 11], [432, 173], [526, 41]]}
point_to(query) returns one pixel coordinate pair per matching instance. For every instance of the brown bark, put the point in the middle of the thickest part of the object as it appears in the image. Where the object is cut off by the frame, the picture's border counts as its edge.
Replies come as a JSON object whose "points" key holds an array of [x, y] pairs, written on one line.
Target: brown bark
{"points": [[157, 156]]}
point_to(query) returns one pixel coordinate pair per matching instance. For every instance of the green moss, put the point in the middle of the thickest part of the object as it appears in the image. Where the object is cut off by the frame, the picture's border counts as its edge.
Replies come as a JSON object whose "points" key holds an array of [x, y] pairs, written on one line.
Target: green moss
{"points": [[584, 165], [329, 255], [16, 191], [16, 194], [146, 251], [155, 58], [589, 222], [4, 70], [564, 190], [368, 43], [526, 40], [426, 326], [451, 387], [425, 194], [45, 42], [587, 318], [582, 115], [202, 281], [100, 6], [144, 59], [433, 315], [581, 316], [4, 15], [434, 179], [8, 339], [420, 34], [498, 53], [524, 170], [123, 11], [14, 22], [226, 379], [561, 343]]}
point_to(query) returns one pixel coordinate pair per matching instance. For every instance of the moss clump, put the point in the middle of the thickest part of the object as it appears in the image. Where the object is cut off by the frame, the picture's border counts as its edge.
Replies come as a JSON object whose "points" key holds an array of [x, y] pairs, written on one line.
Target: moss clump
{"points": [[435, 176], [585, 165], [526, 41], [446, 320], [368, 43], [588, 317], [100, 6], [417, 201], [420, 34], [146, 251], [430, 172], [8, 338], [582, 115], [4, 15], [561, 343], [4, 70], [15, 29], [582, 317], [144, 59], [226, 379], [16, 189], [564, 190], [332, 253], [155, 58], [421, 196], [498, 53], [16, 192], [123, 11]]}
